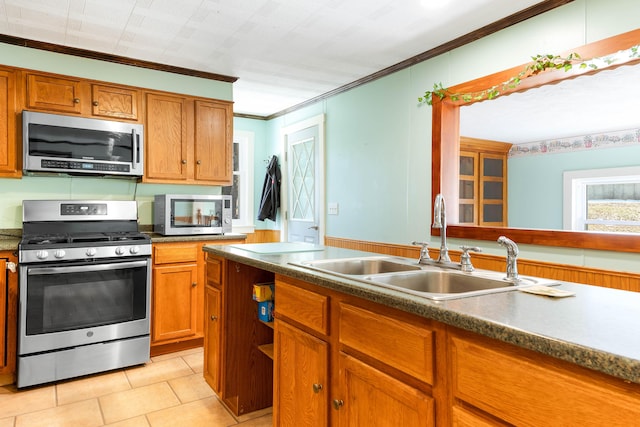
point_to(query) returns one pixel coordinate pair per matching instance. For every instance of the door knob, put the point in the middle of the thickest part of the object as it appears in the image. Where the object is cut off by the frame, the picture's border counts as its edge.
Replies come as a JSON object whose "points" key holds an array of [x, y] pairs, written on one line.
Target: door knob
{"points": [[338, 403], [313, 227], [317, 388]]}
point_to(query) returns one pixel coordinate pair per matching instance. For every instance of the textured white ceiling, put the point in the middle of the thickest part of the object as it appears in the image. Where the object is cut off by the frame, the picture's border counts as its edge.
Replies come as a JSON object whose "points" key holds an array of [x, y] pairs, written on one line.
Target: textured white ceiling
{"points": [[283, 51], [606, 101]]}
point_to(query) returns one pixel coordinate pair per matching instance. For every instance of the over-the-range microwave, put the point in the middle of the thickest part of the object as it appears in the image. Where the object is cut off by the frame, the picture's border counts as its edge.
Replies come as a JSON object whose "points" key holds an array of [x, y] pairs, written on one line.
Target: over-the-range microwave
{"points": [[179, 214], [58, 143]]}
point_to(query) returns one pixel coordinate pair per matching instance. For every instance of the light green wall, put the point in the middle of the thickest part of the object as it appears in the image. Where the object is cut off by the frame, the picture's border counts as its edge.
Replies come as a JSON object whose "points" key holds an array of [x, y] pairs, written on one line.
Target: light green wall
{"points": [[378, 139]]}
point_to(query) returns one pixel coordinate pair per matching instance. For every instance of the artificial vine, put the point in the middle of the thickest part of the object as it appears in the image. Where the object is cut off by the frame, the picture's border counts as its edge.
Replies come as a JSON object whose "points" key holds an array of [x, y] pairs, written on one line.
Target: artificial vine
{"points": [[540, 64]]}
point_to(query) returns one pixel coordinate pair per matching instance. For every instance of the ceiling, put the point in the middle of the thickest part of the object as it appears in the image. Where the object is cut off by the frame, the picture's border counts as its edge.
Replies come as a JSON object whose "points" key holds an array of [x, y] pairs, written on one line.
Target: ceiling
{"points": [[284, 52], [606, 101]]}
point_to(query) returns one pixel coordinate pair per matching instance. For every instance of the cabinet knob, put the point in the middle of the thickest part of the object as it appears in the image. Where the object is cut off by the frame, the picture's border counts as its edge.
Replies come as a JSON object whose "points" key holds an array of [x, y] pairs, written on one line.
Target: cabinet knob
{"points": [[95, 103], [194, 284], [214, 318], [184, 162], [317, 388], [76, 100], [338, 403], [199, 162]]}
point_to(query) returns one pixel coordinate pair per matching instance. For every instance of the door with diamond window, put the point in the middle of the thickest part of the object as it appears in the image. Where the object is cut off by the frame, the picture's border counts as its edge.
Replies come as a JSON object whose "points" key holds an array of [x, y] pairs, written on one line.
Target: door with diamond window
{"points": [[303, 204]]}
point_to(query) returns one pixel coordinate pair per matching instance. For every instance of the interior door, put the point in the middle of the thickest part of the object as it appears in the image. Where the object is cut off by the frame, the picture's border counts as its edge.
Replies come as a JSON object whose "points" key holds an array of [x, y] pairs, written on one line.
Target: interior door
{"points": [[304, 179]]}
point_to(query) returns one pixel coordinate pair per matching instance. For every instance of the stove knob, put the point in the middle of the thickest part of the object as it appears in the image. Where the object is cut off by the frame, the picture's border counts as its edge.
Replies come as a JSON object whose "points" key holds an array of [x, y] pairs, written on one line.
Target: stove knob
{"points": [[91, 252], [59, 253], [134, 249], [42, 254], [119, 250]]}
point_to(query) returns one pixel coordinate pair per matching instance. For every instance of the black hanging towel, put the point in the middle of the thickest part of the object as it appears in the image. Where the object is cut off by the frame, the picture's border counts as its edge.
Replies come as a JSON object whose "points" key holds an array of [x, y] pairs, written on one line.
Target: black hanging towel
{"points": [[270, 200]]}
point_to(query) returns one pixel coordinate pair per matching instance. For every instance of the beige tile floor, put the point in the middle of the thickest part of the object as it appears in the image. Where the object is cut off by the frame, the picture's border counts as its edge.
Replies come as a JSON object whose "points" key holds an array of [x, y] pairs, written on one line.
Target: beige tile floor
{"points": [[167, 391]]}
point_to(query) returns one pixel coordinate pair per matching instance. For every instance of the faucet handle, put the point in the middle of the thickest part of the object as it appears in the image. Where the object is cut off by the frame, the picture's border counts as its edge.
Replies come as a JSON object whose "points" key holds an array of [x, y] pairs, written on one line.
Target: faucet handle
{"points": [[424, 251], [465, 258]]}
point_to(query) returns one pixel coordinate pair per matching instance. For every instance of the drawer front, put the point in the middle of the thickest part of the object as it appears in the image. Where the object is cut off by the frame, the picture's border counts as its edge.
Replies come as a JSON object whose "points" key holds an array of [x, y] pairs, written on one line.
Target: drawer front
{"points": [[300, 305], [172, 254], [401, 345], [214, 271], [525, 388]]}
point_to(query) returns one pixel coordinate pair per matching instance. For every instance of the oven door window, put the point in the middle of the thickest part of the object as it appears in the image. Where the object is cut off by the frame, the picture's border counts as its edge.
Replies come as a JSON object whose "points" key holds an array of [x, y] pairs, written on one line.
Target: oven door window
{"points": [[188, 213], [67, 298]]}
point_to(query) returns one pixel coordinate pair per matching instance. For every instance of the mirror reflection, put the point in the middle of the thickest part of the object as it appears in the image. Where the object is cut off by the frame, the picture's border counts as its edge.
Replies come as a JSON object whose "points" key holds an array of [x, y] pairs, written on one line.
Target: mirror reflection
{"points": [[563, 156]]}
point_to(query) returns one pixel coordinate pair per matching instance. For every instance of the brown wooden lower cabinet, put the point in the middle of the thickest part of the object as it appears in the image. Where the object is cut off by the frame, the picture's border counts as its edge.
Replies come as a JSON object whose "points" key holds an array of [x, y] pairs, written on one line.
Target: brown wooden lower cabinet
{"points": [[8, 318], [235, 368], [177, 295], [301, 378], [340, 360]]}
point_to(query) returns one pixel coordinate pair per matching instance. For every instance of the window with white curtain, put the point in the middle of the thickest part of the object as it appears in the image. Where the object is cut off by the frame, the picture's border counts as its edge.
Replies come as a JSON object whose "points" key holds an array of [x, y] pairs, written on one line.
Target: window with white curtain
{"points": [[605, 200], [242, 188]]}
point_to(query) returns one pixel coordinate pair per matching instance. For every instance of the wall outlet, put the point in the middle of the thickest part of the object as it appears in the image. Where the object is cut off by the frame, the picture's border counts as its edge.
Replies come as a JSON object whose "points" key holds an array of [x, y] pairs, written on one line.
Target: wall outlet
{"points": [[332, 208]]}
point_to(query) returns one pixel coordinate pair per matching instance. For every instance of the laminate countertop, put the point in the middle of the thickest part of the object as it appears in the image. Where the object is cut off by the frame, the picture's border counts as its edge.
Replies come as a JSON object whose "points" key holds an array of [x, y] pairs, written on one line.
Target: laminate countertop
{"points": [[598, 328]]}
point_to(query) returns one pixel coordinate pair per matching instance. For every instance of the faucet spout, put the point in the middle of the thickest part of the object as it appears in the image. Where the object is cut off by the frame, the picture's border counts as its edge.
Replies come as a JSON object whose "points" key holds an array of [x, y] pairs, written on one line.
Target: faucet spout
{"points": [[440, 222], [512, 257]]}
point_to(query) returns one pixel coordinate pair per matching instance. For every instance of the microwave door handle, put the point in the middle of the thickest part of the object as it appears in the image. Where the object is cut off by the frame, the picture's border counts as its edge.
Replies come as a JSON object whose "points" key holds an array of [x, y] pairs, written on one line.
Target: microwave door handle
{"points": [[136, 144], [34, 271]]}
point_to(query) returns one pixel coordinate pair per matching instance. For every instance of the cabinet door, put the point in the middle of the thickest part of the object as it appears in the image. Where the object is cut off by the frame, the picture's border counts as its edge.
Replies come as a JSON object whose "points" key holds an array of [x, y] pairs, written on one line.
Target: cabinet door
{"points": [[114, 102], [212, 337], [166, 142], [3, 312], [368, 397], [300, 378], [8, 137], [493, 190], [53, 93], [174, 301], [213, 142], [8, 318]]}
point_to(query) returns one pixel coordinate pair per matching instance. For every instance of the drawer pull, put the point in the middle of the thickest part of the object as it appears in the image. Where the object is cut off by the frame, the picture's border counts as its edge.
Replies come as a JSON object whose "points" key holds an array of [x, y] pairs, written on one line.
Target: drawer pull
{"points": [[317, 388], [338, 403]]}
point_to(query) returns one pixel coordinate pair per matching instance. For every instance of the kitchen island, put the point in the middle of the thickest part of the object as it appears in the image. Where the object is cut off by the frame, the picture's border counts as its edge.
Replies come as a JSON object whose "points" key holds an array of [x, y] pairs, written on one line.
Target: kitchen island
{"points": [[590, 340]]}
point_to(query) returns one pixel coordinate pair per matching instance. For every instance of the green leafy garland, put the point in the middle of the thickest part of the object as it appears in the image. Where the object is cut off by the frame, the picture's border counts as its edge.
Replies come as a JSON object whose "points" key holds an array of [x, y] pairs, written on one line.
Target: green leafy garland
{"points": [[540, 64]]}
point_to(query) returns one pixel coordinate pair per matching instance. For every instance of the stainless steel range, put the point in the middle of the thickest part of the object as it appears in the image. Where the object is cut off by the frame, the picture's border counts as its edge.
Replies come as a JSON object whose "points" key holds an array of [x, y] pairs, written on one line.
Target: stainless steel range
{"points": [[85, 279]]}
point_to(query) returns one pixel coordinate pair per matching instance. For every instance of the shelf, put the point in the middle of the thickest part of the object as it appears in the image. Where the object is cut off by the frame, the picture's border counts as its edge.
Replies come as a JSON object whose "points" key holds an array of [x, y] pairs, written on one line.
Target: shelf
{"points": [[267, 349], [269, 324]]}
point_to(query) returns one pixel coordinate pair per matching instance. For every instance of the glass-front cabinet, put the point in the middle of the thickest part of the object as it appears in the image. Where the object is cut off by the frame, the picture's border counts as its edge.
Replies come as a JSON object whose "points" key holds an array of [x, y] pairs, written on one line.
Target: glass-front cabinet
{"points": [[483, 182]]}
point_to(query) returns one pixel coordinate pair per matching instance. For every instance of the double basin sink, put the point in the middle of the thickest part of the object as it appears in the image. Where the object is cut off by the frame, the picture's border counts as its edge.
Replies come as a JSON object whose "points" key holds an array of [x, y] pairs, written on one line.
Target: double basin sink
{"points": [[428, 281]]}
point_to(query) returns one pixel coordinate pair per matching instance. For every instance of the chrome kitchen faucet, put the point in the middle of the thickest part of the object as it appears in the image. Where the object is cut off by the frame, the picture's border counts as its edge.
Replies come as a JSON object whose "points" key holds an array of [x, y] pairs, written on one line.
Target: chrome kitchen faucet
{"points": [[440, 221], [512, 257]]}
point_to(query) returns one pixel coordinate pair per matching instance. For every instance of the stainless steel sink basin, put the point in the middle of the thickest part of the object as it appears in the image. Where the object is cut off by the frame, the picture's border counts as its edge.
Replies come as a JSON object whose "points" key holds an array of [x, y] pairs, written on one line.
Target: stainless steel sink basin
{"points": [[448, 284], [431, 282], [360, 266]]}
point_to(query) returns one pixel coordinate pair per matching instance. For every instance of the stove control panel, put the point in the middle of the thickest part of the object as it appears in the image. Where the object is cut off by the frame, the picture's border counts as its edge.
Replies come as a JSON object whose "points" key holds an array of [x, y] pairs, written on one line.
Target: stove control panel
{"points": [[83, 209], [83, 253]]}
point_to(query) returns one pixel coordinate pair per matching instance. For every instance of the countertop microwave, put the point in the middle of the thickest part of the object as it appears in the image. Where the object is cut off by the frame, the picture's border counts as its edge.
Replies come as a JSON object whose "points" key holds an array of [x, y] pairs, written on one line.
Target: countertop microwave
{"points": [[78, 145], [179, 214]]}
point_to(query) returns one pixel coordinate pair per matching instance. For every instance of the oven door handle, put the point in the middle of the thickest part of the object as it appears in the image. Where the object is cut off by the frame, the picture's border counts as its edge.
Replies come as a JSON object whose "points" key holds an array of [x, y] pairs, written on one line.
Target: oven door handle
{"points": [[33, 271]]}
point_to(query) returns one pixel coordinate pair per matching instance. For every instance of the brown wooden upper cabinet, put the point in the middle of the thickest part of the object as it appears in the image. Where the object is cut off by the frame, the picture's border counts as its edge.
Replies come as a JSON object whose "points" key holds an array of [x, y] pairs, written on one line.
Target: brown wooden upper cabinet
{"points": [[57, 94], [188, 140], [9, 146], [483, 182]]}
